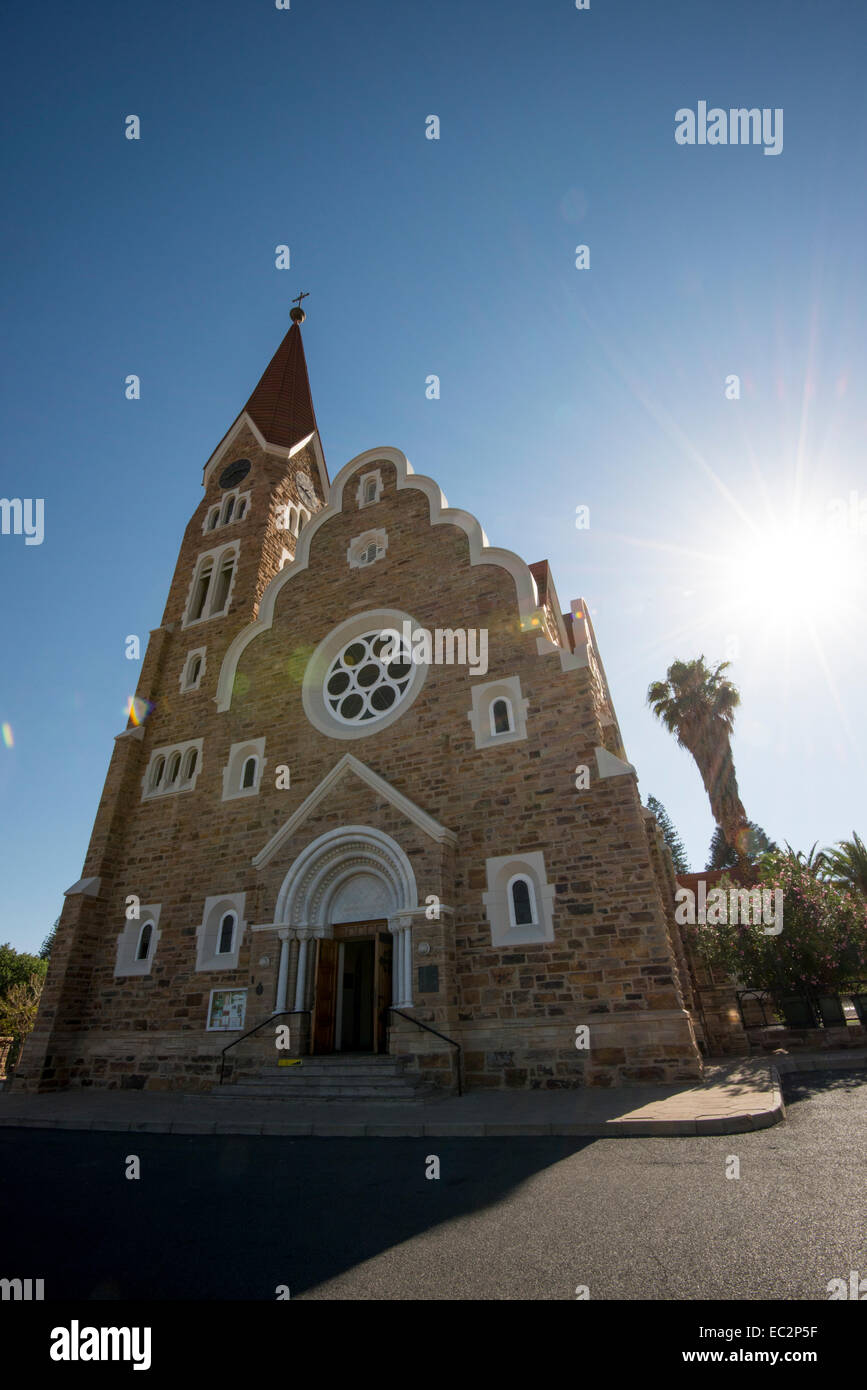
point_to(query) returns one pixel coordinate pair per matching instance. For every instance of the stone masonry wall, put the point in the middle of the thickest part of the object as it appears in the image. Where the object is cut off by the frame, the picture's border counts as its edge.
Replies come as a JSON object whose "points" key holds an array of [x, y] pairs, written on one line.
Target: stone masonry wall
{"points": [[613, 964]]}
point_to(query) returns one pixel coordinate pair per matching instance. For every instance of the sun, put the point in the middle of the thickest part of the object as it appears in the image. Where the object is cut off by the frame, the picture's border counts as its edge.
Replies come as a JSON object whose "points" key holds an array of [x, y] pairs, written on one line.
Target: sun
{"points": [[790, 573]]}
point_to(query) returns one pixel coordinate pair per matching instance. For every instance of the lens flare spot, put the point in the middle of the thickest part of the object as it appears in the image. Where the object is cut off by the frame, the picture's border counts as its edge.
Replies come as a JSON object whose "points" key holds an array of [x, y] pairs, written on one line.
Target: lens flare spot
{"points": [[6, 731], [297, 664], [137, 710]]}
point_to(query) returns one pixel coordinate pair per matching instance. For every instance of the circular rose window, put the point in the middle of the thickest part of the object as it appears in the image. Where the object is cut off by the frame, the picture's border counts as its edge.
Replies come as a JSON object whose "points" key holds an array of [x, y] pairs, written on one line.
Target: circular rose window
{"points": [[361, 677], [362, 686]]}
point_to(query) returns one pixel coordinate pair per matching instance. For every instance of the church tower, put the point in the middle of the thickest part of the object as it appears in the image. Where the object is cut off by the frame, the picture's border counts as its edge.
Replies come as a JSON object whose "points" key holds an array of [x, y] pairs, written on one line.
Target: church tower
{"points": [[373, 786], [263, 483]]}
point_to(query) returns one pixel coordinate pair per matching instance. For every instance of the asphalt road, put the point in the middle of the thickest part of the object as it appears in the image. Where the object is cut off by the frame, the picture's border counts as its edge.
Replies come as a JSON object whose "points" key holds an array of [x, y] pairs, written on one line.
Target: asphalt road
{"points": [[234, 1217]]}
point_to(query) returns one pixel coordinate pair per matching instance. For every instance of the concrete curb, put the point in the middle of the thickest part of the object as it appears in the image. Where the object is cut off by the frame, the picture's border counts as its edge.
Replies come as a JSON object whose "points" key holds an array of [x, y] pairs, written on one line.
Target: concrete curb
{"points": [[703, 1110], [409, 1129]]}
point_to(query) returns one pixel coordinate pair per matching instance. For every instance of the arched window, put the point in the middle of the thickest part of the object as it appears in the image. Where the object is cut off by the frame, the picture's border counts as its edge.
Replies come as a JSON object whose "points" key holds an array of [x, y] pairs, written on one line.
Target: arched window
{"points": [[224, 583], [195, 670], [370, 490], [190, 763], [145, 937], [228, 509], [213, 518], [203, 583], [248, 778], [522, 901], [174, 768], [303, 518], [157, 773], [501, 717], [242, 508], [226, 934]]}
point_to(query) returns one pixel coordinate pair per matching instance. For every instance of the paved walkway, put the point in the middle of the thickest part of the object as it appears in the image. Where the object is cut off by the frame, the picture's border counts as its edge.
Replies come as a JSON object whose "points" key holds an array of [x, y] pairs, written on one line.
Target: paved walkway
{"points": [[737, 1096]]}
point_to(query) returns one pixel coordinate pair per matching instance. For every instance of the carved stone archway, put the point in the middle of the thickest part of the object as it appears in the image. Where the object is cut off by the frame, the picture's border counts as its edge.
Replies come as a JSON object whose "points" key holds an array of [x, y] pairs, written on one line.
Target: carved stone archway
{"points": [[320, 882], [355, 873]]}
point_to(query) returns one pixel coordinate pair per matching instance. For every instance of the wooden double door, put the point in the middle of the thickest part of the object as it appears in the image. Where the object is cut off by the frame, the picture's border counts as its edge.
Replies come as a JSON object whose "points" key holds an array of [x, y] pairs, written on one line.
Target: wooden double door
{"points": [[352, 990]]}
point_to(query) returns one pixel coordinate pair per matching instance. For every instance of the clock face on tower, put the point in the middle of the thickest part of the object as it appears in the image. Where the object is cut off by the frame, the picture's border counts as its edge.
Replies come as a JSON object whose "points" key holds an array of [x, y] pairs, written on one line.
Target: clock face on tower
{"points": [[306, 490], [234, 472]]}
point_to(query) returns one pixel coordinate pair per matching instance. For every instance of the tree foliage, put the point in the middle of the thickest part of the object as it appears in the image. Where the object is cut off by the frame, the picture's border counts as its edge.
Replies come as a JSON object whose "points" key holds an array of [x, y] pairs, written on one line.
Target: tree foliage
{"points": [[847, 864], [48, 944], [697, 705], [720, 855], [21, 979], [670, 835], [17, 967], [821, 948]]}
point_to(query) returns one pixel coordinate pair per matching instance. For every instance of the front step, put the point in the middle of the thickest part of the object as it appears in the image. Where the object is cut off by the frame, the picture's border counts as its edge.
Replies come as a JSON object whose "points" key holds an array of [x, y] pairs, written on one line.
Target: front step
{"points": [[339, 1077]]}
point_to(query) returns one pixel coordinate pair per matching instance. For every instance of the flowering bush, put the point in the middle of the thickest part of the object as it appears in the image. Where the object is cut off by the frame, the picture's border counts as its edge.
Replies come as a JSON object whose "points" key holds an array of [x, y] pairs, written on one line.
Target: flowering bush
{"points": [[822, 948]]}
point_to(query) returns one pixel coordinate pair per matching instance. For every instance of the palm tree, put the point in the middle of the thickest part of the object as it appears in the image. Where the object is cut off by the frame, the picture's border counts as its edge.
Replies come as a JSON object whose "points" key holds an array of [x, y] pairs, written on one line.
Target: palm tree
{"points": [[848, 864], [814, 862], [697, 705]]}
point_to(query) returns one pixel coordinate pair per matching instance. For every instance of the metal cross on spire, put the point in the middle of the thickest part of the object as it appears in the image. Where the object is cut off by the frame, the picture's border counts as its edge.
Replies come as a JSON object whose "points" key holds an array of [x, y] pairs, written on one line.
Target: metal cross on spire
{"points": [[297, 314]]}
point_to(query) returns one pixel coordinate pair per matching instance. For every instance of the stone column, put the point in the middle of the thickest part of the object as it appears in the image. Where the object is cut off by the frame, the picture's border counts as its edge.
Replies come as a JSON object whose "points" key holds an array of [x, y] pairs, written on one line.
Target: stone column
{"points": [[406, 934], [283, 972], [394, 927], [301, 981]]}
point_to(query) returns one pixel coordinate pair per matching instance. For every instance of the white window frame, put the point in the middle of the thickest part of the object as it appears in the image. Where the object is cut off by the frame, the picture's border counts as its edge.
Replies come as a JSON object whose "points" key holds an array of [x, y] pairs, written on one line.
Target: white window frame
{"points": [[185, 682], [287, 518], [208, 956], [375, 476], [481, 716], [239, 499], [217, 558], [182, 784], [129, 938], [316, 672], [234, 769], [502, 872], [360, 544]]}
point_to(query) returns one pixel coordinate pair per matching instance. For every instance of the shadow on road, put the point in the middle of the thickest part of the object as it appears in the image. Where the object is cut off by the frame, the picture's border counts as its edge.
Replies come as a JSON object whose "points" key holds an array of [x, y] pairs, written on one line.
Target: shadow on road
{"points": [[798, 1086], [233, 1217]]}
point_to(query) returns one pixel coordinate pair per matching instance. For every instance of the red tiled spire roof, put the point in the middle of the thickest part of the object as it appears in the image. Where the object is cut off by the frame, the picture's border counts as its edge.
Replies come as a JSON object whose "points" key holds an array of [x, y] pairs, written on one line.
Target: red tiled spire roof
{"points": [[281, 405]]}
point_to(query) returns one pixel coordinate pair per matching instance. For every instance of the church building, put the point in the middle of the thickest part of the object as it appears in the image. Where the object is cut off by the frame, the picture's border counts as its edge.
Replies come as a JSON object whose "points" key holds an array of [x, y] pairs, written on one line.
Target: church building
{"points": [[372, 808]]}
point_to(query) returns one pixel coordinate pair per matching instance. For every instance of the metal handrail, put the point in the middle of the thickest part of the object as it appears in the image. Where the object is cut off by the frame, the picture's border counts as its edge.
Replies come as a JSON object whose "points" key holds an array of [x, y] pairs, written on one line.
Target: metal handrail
{"points": [[284, 1013], [451, 1042]]}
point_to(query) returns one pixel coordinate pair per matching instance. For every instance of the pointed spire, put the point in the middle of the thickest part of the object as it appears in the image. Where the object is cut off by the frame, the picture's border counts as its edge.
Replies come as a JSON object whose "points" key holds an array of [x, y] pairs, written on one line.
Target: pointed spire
{"points": [[281, 405]]}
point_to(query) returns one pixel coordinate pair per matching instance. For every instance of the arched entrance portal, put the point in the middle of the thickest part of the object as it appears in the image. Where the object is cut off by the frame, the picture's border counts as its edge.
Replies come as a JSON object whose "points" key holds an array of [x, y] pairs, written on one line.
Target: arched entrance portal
{"points": [[343, 899]]}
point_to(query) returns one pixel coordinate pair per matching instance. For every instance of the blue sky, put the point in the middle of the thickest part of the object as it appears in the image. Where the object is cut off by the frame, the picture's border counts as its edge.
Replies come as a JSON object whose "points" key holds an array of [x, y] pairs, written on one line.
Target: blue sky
{"points": [[559, 387]]}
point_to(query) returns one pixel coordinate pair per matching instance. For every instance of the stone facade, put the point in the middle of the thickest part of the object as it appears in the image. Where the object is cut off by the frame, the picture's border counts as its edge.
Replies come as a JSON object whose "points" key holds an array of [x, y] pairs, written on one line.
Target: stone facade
{"points": [[400, 825]]}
